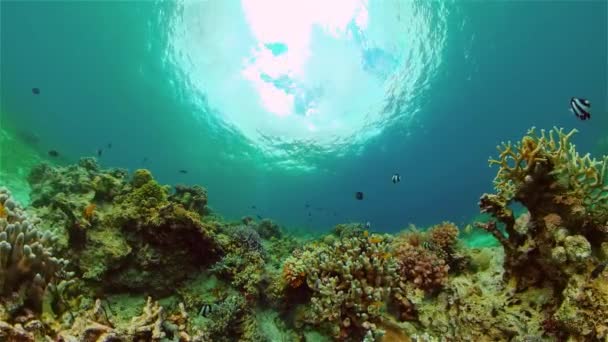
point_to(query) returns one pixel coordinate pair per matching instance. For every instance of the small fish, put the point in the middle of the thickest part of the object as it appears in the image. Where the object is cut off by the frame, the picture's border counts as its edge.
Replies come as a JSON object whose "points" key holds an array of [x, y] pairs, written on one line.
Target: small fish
{"points": [[99, 152], [144, 160], [109, 145], [183, 171], [368, 225], [309, 214], [428, 245], [253, 207], [396, 178], [306, 205], [259, 217], [598, 270], [36, 91], [581, 108], [53, 153], [206, 309], [359, 195]]}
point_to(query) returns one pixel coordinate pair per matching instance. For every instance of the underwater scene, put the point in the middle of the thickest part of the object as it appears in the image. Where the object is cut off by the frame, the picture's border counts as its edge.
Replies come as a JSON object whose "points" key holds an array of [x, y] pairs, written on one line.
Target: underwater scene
{"points": [[303, 170]]}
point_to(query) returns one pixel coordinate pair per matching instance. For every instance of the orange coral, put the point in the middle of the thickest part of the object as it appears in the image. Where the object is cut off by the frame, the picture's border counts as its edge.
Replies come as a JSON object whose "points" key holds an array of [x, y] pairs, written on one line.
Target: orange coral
{"points": [[89, 211], [3, 213]]}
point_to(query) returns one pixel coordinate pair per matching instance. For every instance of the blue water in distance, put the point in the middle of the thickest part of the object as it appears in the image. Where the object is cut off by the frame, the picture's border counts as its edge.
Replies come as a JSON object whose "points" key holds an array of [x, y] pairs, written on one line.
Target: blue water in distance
{"points": [[485, 72]]}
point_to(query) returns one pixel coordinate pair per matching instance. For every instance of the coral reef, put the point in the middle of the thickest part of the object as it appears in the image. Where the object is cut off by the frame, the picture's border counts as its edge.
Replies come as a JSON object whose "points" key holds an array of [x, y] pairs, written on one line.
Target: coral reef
{"points": [[130, 239], [192, 198], [121, 233], [27, 264], [560, 238], [349, 280]]}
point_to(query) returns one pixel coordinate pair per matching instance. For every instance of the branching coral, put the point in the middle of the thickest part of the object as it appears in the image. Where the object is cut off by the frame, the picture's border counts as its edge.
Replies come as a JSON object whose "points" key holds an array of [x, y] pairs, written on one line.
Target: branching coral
{"points": [[349, 281], [27, 264], [422, 267], [152, 325], [565, 194], [444, 236], [547, 166]]}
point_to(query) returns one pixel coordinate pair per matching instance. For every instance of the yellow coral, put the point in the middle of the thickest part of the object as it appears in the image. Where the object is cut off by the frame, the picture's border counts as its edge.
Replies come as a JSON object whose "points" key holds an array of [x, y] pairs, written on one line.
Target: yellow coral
{"points": [[3, 213], [582, 176]]}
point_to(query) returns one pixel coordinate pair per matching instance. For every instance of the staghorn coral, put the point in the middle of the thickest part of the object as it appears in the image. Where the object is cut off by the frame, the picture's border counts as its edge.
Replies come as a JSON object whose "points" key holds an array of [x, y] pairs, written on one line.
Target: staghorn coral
{"points": [[27, 264], [152, 325]]}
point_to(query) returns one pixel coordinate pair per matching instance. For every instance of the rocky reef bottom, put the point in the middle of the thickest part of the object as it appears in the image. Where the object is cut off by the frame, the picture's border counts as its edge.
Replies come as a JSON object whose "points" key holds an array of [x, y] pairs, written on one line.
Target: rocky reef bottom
{"points": [[104, 255]]}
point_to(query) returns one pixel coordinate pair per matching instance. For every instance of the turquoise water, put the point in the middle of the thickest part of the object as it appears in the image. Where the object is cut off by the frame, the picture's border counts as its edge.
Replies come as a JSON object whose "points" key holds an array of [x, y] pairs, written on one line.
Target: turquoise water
{"points": [[287, 107]]}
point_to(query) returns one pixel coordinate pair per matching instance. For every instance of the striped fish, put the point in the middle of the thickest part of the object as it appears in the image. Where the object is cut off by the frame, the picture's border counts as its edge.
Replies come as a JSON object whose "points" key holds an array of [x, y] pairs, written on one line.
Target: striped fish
{"points": [[206, 309], [581, 108]]}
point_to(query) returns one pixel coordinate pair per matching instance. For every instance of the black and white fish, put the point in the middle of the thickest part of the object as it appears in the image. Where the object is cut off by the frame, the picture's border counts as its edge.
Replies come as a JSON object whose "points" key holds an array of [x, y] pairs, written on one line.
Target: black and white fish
{"points": [[428, 245], [396, 178], [581, 108], [206, 309], [368, 225]]}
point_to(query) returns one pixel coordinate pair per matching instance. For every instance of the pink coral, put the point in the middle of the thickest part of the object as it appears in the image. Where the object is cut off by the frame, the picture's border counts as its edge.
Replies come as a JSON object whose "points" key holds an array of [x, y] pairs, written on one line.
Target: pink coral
{"points": [[444, 235], [424, 268]]}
